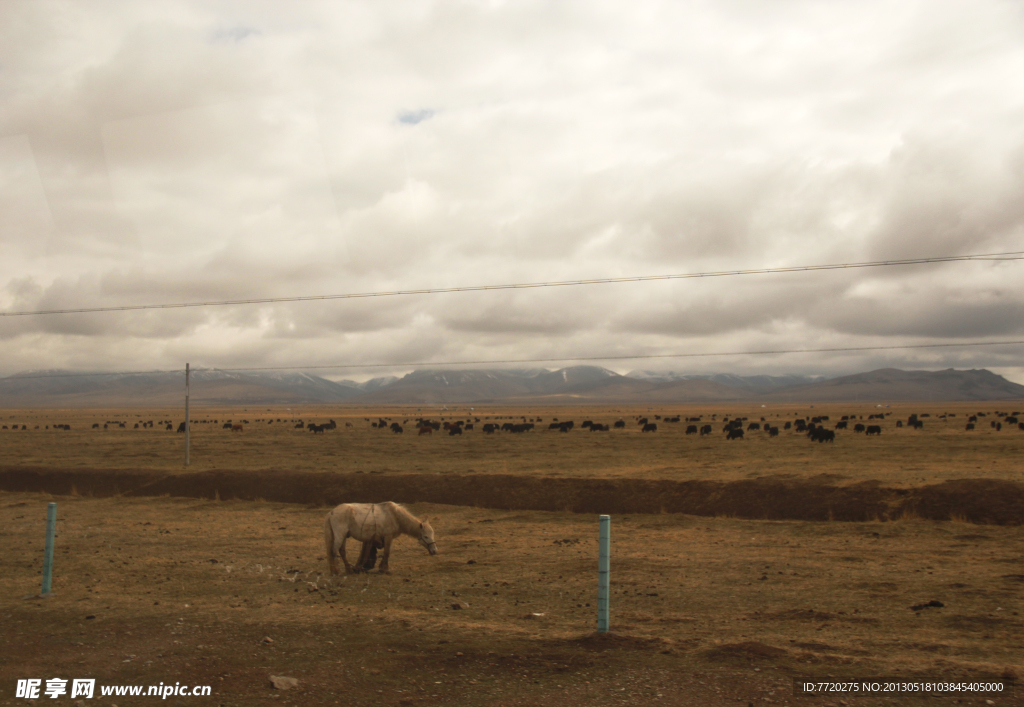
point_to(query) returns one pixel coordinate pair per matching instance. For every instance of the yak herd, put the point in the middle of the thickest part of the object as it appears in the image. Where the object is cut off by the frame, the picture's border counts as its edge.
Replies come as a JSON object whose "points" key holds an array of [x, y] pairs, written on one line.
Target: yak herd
{"points": [[733, 428]]}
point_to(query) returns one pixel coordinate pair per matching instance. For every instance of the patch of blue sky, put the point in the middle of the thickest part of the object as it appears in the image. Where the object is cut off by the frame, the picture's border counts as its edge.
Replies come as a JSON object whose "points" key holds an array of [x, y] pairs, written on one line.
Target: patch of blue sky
{"points": [[412, 117]]}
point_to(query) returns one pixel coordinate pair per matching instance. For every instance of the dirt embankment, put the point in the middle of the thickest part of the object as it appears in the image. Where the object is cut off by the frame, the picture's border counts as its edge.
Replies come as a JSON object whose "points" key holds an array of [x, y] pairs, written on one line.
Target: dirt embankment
{"points": [[973, 500]]}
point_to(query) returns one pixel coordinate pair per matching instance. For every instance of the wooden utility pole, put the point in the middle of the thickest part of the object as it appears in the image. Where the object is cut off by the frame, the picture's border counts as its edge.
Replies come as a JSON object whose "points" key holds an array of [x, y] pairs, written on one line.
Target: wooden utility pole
{"points": [[186, 415]]}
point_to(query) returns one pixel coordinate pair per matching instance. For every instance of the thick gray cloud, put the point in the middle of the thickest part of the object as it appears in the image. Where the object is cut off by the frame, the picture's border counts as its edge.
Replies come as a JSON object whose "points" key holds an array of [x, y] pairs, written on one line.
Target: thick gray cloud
{"points": [[183, 151]]}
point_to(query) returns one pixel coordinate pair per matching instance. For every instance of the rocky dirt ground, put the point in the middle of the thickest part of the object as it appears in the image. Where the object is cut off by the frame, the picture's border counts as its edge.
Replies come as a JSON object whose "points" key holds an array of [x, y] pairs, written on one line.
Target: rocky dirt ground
{"points": [[705, 611]]}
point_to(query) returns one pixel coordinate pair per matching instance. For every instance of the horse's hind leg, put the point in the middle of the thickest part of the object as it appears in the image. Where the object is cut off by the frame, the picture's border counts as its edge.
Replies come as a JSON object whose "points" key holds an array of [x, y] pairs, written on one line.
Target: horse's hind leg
{"points": [[349, 569], [336, 533]]}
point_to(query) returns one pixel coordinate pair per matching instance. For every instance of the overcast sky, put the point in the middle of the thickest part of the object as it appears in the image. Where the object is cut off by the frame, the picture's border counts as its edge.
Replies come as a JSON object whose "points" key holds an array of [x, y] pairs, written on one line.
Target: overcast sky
{"points": [[170, 151]]}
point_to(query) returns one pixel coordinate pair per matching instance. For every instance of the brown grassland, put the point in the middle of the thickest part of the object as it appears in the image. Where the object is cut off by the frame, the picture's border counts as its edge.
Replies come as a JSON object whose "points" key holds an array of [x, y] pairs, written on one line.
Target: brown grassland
{"points": [[705, 610]]}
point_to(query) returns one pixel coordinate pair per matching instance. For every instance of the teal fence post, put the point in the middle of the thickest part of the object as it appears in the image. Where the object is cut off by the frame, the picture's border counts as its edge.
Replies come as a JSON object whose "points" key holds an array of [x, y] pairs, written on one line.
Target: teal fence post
{"points": [[51, 529], [603, 572]]}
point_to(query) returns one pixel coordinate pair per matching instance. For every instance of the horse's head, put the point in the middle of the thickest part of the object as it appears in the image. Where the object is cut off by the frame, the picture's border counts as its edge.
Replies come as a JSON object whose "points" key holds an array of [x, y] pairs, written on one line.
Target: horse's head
{"points": [[427, 537]]}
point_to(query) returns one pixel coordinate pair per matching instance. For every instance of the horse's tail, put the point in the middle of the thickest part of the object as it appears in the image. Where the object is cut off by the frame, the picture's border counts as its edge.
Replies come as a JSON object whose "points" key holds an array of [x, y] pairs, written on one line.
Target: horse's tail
{"points": [[329, 536]]}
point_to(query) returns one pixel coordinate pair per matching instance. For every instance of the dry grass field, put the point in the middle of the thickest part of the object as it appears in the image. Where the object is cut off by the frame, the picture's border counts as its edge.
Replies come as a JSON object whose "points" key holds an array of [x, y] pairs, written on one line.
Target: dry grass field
{"points": [[706, 610]]}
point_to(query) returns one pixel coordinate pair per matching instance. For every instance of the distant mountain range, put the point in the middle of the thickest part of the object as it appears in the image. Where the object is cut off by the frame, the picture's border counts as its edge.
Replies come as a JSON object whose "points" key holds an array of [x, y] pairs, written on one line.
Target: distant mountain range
{"points": [[573, 385], [750, 384], [891, 384], [161, 389]]}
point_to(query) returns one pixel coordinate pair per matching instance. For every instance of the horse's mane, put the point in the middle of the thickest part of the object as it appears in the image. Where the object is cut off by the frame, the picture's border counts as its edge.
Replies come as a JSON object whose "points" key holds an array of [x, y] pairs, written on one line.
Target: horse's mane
{"points": [[406, 520]]}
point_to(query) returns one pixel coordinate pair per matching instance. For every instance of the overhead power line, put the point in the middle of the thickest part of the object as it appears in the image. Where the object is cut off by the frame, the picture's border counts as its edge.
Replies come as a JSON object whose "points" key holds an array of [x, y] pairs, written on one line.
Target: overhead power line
{"points": [[1015, 255], [16, 378], [534, 360]]}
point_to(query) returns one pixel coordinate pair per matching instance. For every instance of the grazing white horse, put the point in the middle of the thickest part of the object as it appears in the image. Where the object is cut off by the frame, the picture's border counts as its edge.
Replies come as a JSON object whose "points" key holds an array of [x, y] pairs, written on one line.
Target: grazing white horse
{"points": [[375, 525]]}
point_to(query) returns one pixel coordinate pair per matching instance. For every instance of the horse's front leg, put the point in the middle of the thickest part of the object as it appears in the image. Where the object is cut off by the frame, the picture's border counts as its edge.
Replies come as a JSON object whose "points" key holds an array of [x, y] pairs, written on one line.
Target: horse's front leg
{"points": [[384, 569], [367, 557]]}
